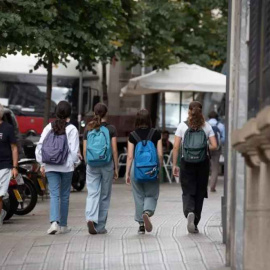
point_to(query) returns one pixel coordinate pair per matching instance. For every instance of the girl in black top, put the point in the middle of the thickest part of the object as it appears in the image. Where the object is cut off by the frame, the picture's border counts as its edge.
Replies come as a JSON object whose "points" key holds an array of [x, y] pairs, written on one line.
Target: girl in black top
{"points": [[145, 194]]}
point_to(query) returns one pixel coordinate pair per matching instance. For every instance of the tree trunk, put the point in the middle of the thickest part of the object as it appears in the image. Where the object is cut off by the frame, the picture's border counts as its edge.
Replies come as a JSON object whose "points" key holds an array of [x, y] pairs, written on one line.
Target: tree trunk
{"points": [[47, 111], [104, 84]]}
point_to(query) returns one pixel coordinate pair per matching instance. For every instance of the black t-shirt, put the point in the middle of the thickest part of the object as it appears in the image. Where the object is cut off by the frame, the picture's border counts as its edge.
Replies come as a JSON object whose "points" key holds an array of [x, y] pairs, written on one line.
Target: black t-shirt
{"points": [[7, 137], [143, 133], [111, 128]]}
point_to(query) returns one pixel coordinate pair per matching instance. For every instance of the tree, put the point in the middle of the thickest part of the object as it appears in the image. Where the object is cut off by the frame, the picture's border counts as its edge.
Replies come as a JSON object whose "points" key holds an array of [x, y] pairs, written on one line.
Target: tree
{"points": [[56, 29], [171, 31]]}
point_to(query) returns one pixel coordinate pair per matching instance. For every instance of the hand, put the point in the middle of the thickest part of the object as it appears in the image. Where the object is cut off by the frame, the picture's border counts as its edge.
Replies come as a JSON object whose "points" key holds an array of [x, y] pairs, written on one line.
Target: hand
{"points": [[14, 173], [42, 170], [80, 156], [176, 171], [128, 181], [115, 175]]}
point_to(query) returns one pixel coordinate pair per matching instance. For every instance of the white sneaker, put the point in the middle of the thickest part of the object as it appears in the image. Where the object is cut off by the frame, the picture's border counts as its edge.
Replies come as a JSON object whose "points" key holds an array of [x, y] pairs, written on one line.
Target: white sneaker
{"points": [[54, 228], [64, 229], [190, 222], [2, 217]]}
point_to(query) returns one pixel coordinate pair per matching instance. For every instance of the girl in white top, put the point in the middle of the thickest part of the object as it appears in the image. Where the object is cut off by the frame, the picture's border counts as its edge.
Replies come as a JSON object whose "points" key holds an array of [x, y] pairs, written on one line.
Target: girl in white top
{"points": [[60, 176], [193, 176]]}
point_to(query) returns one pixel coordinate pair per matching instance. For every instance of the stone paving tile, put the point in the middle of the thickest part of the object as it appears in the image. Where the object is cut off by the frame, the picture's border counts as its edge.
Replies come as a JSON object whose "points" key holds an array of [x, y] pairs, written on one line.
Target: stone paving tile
{"points": [[169, 246]]}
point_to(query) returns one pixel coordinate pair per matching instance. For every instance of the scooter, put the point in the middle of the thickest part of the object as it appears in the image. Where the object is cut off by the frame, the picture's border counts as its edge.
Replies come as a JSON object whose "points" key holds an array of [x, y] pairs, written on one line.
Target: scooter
{"points": [[28, 194], [13, 197], [79, 177]]}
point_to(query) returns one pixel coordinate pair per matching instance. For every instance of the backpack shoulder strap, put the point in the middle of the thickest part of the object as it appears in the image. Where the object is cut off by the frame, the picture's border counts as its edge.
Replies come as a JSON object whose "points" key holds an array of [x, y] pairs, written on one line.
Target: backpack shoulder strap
{"points": [[150, 134], [136, 136]]}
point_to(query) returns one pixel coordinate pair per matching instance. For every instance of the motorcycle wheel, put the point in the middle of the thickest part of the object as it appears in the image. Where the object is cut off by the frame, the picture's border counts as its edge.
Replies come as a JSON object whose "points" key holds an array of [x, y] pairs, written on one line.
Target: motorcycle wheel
{"points": [[29, 195], [12, 205], [79, 178]]}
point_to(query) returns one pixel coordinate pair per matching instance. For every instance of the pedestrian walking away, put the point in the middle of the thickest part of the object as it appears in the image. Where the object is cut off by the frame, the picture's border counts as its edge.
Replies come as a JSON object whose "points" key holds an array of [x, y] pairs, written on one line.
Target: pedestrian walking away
{"points": [[195, 137], [58, 153], [219, 130], [143, 161], [8, 160], [101, 155]]}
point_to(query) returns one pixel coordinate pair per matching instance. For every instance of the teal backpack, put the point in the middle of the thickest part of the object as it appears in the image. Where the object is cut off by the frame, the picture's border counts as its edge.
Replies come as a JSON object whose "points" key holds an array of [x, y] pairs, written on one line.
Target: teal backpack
{"points": [[194, 147], [98, 149]]}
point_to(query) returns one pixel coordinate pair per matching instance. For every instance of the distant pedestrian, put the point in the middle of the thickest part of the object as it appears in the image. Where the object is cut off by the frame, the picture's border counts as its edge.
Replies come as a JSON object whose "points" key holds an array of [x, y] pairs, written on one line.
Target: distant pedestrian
{"points": [[8, 159], [101, 155], [58, 153], [145, 152], [192, 136], [166, 144], [219, 130]]}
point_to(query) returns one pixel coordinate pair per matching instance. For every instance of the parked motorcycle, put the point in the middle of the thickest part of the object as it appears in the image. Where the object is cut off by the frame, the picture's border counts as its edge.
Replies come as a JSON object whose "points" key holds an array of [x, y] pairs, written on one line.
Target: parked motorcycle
{"points": [[28, 194], [79, 177], [12, 198], [32, 170]]}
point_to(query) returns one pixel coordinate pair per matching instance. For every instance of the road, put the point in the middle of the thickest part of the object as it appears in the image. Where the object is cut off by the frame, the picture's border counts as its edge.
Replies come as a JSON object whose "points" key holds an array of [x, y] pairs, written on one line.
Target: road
{"points": [[25, 245]]}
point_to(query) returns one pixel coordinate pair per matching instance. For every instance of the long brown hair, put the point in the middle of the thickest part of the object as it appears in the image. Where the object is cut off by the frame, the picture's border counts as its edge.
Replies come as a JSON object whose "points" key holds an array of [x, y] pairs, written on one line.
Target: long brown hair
{"points": [[100, 111], [63, 111], [195, 116], [143, 119]]}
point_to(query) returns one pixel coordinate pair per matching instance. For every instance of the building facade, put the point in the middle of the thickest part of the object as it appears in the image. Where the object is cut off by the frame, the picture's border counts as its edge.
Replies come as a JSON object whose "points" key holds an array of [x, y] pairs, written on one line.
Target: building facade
{"points": [[247, 181]]}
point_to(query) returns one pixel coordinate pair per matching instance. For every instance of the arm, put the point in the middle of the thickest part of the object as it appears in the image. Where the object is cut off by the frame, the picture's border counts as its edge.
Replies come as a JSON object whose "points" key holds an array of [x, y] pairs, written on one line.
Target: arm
{"points": [[74, 145], [223, 135], [39, 145], [115, 156], [84, 149], [213, 143], [129, 161], [176, 146], [14, 149], [160, 152]]}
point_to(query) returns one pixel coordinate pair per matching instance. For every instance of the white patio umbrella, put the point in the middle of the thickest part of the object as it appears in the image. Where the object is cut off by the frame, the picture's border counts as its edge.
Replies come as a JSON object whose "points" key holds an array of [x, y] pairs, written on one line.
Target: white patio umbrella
{"points": [[179, 77]]}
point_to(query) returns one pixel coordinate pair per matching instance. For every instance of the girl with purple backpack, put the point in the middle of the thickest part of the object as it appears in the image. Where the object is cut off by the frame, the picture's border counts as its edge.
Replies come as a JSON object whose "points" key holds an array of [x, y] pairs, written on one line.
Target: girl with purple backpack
{"points": [[58, 153]]}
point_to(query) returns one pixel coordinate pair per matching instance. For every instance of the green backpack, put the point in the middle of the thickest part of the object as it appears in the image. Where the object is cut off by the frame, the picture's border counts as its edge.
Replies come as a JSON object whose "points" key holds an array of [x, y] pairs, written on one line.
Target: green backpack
{"points": [[195, 145]]}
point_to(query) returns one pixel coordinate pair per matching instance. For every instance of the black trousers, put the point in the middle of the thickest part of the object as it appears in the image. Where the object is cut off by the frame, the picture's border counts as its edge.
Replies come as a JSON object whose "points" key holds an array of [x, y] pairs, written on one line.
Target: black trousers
{"points": [[194, 182]]}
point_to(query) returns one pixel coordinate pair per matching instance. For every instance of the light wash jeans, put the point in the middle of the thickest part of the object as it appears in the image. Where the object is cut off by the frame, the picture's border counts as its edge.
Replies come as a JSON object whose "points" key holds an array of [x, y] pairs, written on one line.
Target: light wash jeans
{"points": [[99, 185], [59, 186], [145, 196]]}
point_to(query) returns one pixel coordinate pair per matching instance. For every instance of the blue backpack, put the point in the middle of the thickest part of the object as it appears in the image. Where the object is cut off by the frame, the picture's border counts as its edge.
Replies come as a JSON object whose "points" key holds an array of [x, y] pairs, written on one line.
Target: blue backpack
{"points": [[55, 149], [146, 165], [217, 135], [98, 149]]}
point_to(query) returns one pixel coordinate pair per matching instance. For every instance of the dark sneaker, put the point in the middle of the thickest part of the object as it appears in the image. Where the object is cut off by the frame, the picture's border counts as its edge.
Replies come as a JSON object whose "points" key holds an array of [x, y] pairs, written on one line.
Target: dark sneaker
{"points": [[141, 229], [213, 190], [91, 227], [147, 222], [190, 223], [104, 231], [196, 229]]}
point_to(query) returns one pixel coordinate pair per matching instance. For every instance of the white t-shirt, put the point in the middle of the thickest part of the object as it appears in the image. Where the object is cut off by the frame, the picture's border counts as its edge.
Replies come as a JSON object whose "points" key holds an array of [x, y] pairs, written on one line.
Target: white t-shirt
{"points": [[182, 128]]}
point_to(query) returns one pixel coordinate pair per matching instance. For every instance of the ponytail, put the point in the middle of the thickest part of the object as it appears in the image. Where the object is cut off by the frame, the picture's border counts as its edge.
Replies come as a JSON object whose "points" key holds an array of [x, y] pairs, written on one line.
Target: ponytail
{"points": [[59, 126], [63, 112], [95, 123], [195, 116]]}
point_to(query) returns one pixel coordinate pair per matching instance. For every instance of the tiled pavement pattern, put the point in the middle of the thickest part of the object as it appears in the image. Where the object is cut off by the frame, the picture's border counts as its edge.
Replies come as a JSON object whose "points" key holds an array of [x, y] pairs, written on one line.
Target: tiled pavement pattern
{"points": [[25, 245]]}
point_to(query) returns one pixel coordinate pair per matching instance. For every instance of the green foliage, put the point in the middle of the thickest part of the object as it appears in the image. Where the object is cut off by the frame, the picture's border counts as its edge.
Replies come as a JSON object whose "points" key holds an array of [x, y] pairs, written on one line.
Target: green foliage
{"points": [[81, 28], [171, 31], [166, 31]]}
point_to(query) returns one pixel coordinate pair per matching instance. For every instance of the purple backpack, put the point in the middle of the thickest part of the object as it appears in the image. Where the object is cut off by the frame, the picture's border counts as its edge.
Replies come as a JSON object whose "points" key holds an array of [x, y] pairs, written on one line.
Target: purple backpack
{"points": [[55, 149]]}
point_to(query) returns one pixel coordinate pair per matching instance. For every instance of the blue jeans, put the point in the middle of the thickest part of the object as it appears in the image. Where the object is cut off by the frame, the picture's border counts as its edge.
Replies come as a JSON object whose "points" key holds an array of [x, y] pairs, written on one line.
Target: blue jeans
{"points": [[99, 186], [59, 186]]}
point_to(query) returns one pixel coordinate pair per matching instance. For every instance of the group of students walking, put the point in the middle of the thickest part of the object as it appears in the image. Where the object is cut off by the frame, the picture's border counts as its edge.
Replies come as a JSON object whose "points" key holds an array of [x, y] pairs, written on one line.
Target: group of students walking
{"points": [[59, 153]]}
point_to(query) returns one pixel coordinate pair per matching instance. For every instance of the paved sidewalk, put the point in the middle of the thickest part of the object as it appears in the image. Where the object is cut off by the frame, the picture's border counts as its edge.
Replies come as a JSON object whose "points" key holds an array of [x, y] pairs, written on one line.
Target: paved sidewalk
{"points": [[25, 245]]}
